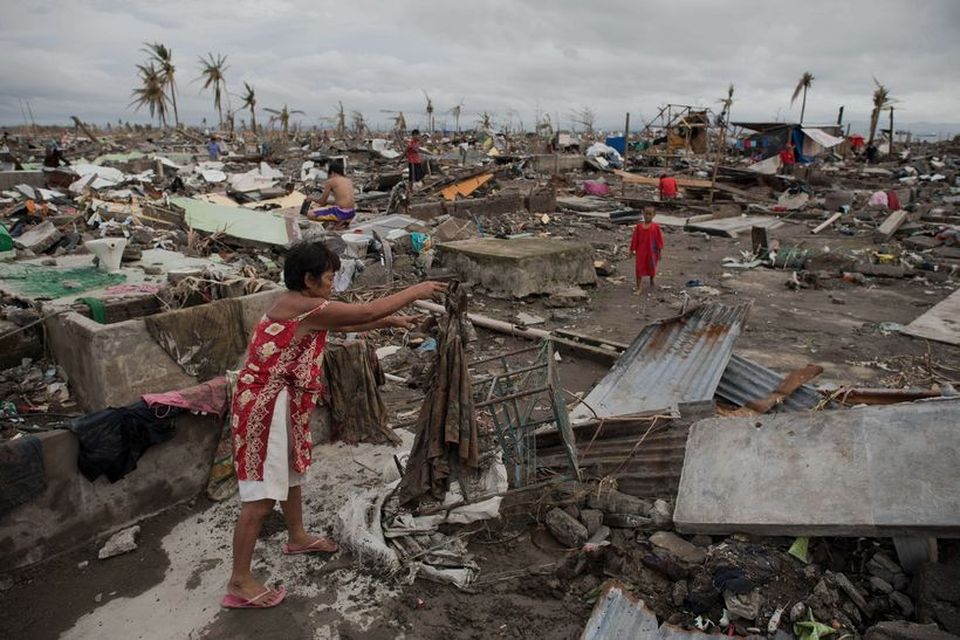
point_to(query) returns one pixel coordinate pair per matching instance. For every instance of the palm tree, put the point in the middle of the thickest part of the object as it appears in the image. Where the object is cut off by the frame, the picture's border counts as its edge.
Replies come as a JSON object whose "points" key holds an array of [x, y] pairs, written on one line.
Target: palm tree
{"points": [[485, 121], [805, 81], [429, 110], [151, 92], [211, 72], [341, 121], [722, 121], [250, 102], [164, 59], [283, 115], [359, 125], [456, 113], [881, 100]]}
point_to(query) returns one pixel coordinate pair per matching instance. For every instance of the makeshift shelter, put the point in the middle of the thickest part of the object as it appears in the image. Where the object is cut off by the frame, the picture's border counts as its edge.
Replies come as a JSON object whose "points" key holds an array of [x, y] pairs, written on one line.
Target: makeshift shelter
{"points": [[809, 141]]}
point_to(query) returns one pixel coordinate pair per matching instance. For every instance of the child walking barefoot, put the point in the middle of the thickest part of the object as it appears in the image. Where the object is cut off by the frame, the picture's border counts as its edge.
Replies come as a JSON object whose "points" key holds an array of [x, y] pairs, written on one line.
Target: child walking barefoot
{"points": [[277, 390], [646, 245]]}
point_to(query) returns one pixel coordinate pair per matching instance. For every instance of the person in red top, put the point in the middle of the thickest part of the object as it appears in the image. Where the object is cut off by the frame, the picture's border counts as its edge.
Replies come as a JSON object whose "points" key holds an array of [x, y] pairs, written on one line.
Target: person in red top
{"points": [[788, 159], [277, 389], [414, 161], [668, 187], [647, 245]]}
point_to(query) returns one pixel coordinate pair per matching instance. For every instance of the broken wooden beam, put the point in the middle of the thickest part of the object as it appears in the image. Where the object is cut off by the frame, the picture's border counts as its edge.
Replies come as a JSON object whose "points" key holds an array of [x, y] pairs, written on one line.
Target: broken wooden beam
{"points": [[889, 226], [829, 222]]}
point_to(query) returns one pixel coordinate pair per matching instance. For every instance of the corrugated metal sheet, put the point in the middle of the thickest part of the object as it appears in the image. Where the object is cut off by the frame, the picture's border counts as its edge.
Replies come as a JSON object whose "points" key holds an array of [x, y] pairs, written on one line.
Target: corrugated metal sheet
{"points": [[618, 615], [672, 361], [744, 380]]}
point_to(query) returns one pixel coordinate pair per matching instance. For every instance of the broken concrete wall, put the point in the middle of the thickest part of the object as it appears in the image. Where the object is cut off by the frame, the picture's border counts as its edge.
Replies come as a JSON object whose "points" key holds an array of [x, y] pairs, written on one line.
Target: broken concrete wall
{"points": [[10, 179], [73, 511], [489, 206], [551, 163], [114, 364]]}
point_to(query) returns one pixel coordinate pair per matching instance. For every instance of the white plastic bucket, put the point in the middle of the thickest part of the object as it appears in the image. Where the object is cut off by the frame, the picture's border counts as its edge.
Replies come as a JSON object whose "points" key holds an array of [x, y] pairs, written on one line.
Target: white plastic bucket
{"points": [[356, 244], [109, 250]]}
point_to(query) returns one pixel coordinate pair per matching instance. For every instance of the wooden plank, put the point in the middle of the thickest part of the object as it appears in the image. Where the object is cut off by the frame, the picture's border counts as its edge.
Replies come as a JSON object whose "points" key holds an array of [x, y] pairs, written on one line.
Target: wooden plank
{"points": [[889, 227], [828, 223], [941, 323]]}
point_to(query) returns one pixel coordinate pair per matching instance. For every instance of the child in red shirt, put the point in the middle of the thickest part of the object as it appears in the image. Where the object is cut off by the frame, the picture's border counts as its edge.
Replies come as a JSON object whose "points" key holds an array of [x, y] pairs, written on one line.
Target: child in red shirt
{"points": [[647, 245], [668, 187]]}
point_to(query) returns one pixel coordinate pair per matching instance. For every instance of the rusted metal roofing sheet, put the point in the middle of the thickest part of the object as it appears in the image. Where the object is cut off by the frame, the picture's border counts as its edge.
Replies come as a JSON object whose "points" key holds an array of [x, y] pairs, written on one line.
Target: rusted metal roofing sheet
{"points": [[744, 380], [672, 361]]}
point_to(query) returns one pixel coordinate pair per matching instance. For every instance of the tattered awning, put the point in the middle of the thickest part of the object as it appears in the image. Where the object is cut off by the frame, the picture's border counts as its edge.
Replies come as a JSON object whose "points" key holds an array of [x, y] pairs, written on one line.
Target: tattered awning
{"points": [[821, 137]]}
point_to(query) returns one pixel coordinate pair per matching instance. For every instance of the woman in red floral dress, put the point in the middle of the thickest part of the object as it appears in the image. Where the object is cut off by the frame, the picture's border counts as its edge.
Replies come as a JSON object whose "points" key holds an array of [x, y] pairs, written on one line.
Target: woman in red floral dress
{"points": [[277, 390]]}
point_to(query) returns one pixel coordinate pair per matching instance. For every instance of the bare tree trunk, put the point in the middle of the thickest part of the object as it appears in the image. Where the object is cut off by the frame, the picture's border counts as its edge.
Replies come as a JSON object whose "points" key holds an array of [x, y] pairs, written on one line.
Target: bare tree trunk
{"points": [[874, 116], [803, 106]]}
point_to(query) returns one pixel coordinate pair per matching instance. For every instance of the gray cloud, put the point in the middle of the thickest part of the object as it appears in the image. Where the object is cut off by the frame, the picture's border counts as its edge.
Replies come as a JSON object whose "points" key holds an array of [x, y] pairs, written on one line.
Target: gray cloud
{"points": [[508, 58]]}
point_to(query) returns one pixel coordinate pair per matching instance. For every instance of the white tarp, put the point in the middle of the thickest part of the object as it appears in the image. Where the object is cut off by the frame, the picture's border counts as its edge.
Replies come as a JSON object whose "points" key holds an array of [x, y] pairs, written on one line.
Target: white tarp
{"points": [[821, 137]]}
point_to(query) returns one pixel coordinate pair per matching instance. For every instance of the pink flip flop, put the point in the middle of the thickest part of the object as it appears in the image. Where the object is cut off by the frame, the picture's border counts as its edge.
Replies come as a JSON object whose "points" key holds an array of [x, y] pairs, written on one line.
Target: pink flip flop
{"points": [[231, 601], [311, 548]]}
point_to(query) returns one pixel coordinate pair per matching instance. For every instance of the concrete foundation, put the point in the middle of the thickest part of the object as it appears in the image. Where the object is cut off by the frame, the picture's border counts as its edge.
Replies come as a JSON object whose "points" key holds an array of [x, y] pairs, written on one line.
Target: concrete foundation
{"points": [[73, 511], [521, 267], [114, 364], [877, 471]]}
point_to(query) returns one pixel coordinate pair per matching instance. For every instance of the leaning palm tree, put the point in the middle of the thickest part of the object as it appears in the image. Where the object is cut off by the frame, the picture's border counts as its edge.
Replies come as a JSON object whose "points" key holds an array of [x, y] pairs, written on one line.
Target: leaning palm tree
{"points": [[805, 81], [211, 72], [163, 57], [429, 110], [250, 102], [722, 121], [283, 117], [151, 92], [881, 100]]}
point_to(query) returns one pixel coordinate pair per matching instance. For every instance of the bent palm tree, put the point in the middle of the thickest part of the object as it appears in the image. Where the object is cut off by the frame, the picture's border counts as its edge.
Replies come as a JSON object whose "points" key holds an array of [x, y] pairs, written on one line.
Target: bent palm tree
{"points": [[151, 92], [250, 102], [283, 116], [881, 100], [164, 59], [211, 72], [805, 81]]}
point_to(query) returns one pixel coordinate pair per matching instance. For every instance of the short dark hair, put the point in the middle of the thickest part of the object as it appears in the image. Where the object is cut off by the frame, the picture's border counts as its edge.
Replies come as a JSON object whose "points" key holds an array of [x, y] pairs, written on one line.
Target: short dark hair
{"points": [[336, 166], [415, 132], [307, 257]]}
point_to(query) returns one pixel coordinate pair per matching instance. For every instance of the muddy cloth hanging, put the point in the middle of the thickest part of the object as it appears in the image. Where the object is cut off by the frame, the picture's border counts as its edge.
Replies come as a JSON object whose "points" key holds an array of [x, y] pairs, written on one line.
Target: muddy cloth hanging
{"points": [[205, 340], [447, 436], [112, 440], [353, 377], [22, 476]]}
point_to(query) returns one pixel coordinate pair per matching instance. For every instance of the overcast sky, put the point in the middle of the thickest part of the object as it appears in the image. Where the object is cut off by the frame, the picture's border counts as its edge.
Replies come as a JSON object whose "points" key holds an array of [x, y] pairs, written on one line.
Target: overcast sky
{"points": [[77, 57]]}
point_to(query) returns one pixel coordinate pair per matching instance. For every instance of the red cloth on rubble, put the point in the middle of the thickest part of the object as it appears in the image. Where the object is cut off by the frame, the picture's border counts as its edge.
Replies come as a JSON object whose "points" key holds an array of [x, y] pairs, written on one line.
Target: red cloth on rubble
{"points": [[207, 397], [893, 200], [277, 360], [647, 244]]}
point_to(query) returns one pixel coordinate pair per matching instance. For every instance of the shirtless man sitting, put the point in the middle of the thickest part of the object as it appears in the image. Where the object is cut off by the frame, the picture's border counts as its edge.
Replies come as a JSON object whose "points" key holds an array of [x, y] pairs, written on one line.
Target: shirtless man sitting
{"points": [[344, 205]]}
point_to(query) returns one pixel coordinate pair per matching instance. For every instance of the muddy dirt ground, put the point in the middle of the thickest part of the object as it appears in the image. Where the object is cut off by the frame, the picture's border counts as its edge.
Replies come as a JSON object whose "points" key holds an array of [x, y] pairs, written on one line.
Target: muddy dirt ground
{"points": [[169, 587]]}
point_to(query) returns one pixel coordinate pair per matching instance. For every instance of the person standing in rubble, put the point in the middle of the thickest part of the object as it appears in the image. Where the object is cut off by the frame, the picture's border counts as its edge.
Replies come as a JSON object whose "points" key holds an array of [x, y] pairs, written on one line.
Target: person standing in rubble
{"points": [[414, 161], [277, 389], [213, 149], [53, 157], [344, 207], [647, 246], [788, 159], [668, 187]]}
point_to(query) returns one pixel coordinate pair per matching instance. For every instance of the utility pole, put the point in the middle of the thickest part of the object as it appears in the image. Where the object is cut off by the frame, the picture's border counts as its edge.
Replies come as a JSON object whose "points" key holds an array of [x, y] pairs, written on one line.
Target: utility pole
{"points": [[626, 139], [840, 116]]}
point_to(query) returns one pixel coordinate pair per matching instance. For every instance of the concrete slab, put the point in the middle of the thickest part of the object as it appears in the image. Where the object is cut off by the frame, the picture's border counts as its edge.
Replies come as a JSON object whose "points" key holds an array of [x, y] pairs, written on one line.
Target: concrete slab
{"points": [[522, 266], [237, 222], [731, 227], [10, 179], [941, 323], [875, 471]]}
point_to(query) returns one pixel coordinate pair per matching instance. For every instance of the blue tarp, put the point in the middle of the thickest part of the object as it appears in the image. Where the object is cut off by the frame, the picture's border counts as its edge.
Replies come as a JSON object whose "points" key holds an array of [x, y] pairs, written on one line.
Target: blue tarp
{"points": [[619, 143]]}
